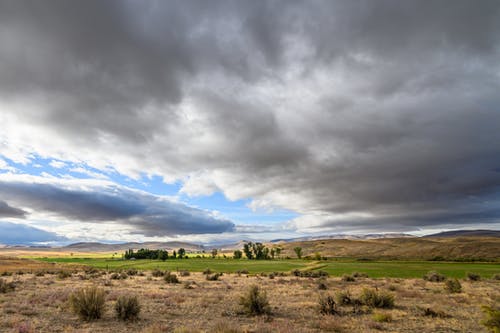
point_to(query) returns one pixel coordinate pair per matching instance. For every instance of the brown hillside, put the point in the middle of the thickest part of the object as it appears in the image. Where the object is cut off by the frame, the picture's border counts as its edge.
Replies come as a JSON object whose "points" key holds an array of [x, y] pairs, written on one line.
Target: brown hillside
{"points": [[401, 248]]}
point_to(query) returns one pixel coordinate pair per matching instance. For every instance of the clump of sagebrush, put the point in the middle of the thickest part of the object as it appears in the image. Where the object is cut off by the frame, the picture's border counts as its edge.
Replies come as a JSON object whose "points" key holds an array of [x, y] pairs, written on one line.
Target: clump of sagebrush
{"points": [[157, 273], [254, 301], [359, 275], [453, 286], [88, 303], [348, 278], [118, 276], [382, 317], [184, 273], [322, 285], [213, 277], [5, 286], [327, 305], [492, 320], [429, 312], [127, 307], [473, 276], [496, 277], [132, 272], [372, 298], [312, 274], [63, 274], [434, 276], [170, 277], [207, 271], [344, 298]]}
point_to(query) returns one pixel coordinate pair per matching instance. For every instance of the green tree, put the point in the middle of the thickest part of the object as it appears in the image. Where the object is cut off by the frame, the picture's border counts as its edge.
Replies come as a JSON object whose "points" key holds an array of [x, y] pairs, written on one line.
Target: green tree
{"points": [[174, 254], [214, 253], [298, 251], [237, 254], [247, 248]]}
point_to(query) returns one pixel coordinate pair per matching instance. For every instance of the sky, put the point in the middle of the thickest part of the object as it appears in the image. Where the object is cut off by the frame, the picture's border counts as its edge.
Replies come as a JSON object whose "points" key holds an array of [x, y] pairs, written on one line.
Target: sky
{"points": [[215, 121]]}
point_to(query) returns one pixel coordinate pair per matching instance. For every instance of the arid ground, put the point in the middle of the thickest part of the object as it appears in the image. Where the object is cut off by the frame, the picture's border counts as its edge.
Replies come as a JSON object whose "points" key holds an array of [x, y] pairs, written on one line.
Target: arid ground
{"points": [[39, 303]]}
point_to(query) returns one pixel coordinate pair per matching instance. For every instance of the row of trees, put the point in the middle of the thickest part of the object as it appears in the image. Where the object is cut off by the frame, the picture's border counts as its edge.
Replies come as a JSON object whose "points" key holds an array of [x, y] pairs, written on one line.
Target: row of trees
{"points": [[154, 254], [257, 251]]}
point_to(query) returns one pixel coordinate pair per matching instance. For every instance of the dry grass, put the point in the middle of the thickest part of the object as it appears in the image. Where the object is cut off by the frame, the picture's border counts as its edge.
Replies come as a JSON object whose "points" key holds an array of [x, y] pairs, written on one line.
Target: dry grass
{"points": [[40, 304]]}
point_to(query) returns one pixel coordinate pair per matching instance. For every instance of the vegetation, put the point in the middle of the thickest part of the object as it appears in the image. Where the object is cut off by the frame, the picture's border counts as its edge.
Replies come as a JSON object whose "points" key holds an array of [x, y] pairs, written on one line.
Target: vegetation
{"points": [[254, 301], [127, 307], [492, 320], [298, 251], [237, 254], [327, 305], [256, 251], [453, 286], [5, 286], [88, 303], [382, 317], [434, 276], [372, 298], [170, 277], [473, 276], [375, 269]]}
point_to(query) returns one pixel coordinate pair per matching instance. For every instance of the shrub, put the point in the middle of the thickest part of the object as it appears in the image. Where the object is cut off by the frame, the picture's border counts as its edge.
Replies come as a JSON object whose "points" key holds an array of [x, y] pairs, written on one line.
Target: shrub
{"points": [[372, 298], [118, 276], [359, 275], [453, 286], [132, 272], [434, 276], [322, 285], [127, 307], [429, 312], [40, 273], [170, 278], [327, 305], [242, 271], [496, 277], [344, 298], [88, 303], [63, 274], [473, 276], [5, 286], [157, 273], [184, 273], [382, 317], [492, 320], [348, 278], [213, 277], [255, 302], [207, 271]]}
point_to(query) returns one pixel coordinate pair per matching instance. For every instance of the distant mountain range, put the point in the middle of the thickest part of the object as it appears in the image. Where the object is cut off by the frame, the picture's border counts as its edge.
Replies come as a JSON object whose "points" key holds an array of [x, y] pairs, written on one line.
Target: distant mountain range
{"points": [[191, 247], [465, 233], [341, 236]]}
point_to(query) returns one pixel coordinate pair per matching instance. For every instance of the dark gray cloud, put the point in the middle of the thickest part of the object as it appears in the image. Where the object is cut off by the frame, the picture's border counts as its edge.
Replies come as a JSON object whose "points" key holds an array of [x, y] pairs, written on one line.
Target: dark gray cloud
{"points": [[147, 214], [9, 211], [331, 108], [20, 234]]}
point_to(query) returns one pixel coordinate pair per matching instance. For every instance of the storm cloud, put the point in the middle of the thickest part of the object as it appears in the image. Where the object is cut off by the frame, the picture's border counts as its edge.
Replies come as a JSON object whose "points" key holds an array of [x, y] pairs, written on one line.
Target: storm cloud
{"points": [[148, 215], [14, 234], [378, 115]]}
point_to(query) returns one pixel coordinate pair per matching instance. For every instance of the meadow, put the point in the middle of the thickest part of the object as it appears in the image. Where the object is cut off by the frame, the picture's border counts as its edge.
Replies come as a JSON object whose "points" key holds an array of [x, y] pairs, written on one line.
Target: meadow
{"points": [[375, 269]]}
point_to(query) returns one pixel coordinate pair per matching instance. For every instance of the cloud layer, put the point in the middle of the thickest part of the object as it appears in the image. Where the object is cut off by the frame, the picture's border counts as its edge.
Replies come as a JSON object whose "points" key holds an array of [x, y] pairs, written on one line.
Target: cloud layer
{"points": [[88, 202], [376, 115], [14, 234]]}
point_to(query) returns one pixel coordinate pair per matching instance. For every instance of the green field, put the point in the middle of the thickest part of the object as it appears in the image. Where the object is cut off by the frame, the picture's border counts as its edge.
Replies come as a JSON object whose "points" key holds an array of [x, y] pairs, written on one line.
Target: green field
{"points": [[375, 269]]}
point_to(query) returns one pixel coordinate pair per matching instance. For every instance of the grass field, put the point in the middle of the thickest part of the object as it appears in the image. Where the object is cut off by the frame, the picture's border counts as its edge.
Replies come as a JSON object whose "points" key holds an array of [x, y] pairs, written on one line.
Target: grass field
{"points": [[375, 269]]}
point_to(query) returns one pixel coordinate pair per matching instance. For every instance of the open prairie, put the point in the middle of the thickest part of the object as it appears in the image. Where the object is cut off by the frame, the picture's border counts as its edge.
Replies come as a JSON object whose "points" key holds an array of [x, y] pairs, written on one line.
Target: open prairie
{"points": [[40, 303]]}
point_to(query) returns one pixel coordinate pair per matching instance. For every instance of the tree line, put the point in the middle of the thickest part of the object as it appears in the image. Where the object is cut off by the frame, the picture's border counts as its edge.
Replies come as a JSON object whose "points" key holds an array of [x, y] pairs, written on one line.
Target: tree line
{"points": [[154, 254]]}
